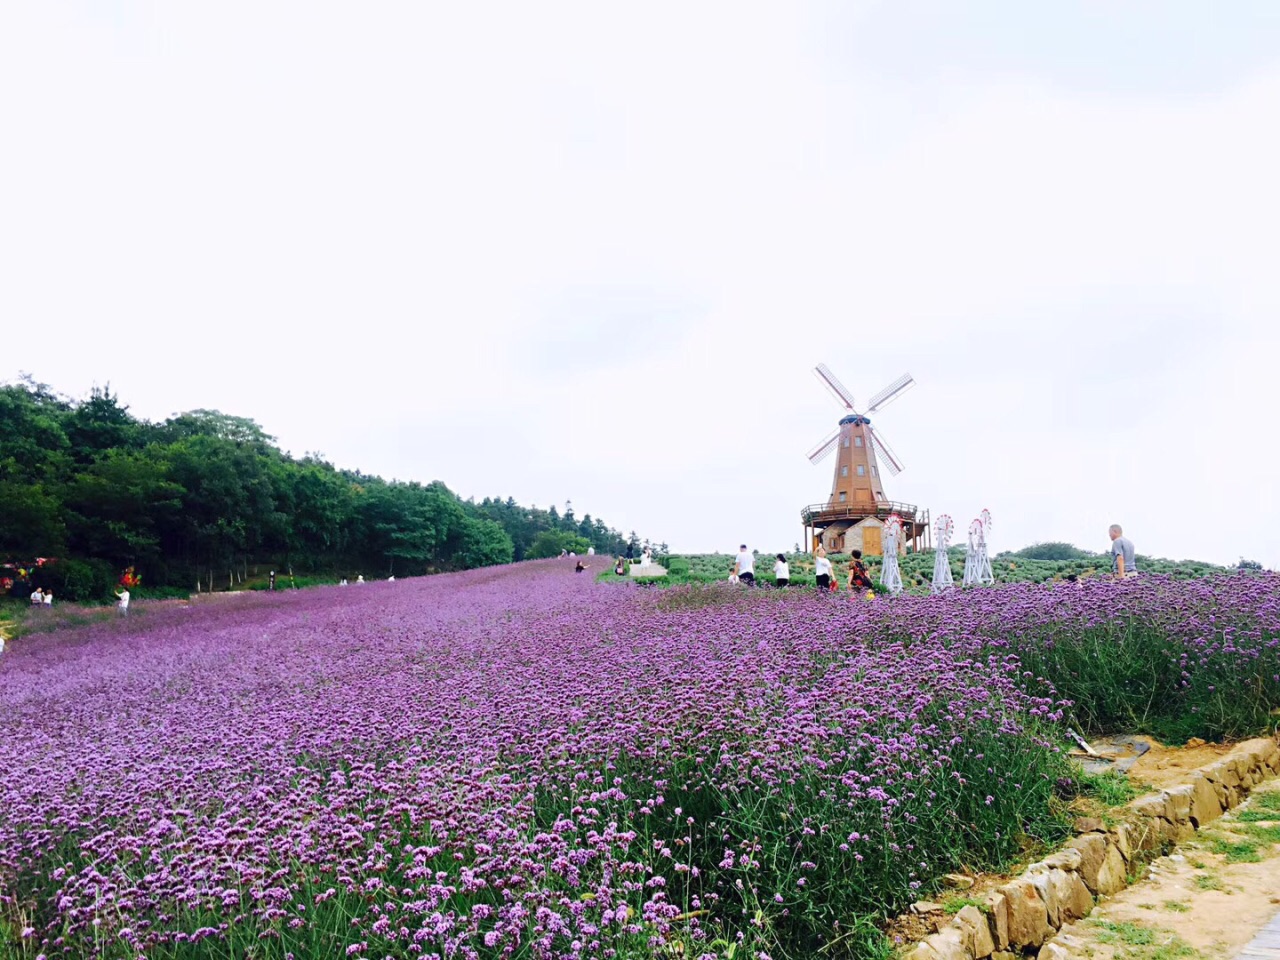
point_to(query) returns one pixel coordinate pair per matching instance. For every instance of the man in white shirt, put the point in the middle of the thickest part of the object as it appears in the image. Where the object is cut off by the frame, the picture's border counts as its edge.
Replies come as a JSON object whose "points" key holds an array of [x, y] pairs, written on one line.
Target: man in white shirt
{"points": [[745, 567]]}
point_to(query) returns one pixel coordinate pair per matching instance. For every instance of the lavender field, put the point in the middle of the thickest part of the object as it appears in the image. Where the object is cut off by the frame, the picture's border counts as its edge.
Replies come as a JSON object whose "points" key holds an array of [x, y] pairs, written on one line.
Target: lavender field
{"points": [[520, 762]]}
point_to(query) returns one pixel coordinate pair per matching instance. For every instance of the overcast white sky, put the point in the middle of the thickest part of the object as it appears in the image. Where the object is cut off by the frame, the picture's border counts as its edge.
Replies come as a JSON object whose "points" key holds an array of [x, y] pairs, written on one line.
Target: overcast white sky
{"points": [[592, 250]]}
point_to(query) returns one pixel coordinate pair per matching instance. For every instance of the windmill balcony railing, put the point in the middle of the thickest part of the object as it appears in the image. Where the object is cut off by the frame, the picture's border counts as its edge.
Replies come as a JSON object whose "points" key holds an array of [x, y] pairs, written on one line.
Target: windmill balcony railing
{"points": [[881, 509]]}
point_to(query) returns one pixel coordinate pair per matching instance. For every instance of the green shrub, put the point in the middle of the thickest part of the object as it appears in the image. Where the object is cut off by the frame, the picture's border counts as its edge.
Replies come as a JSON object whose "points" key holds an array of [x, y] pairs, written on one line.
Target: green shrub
{"points": [[80, 580], [160, 593], [677, 566]]}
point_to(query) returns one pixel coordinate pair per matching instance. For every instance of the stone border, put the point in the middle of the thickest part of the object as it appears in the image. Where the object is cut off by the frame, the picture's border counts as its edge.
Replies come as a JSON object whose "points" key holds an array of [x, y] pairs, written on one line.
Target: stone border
{"points": [[1025, 913]]}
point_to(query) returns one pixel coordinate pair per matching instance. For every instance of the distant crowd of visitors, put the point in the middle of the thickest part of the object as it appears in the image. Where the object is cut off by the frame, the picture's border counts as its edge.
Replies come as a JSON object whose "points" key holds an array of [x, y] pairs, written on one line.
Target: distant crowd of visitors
{"points": [[743, 570]]}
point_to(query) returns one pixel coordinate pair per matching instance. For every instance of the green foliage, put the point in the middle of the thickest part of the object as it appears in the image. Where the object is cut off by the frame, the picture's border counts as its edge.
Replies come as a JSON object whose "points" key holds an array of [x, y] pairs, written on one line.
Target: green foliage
{"points": [[1109, 931], [79, 580], [1235, 851], [202, 496], [1110, 788], [550, 543], [1055, 550], [30, 521]]}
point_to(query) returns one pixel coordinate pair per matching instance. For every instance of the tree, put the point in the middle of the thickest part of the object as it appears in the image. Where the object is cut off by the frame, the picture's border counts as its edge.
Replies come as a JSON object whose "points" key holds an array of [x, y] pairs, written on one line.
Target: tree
{"points": [[118, 507], [204, 494], [1055, 550], [30, 522], [484, 543], [100, 424], [550, 543]]}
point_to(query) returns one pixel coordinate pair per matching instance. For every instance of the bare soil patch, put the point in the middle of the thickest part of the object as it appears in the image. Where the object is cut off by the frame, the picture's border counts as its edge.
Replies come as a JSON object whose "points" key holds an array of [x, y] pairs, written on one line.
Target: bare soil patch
{"points": [[1166, 766]]}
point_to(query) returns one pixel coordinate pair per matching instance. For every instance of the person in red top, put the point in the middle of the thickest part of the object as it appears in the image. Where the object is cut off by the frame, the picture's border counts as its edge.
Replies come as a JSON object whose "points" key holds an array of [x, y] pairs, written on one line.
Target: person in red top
{"points": [[859, 579]]}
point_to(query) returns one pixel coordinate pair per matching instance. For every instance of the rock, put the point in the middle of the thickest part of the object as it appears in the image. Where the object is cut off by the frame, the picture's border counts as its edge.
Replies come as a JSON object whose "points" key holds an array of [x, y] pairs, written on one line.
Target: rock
{"points": [[1087, 825], [975, 932], [1195, 742], [957, 881], [1067, 859], [1239, 764], [1257, 750], [1205, 807], [1064, 946], [1006, 955], [948, 944], [1122, 836], [1028, 916], [1043, 882], [1272, 756], [1152, 805], [998, 911], [926, 906], [1065, 896], [1093, 850], [1180, 798], [1146, 837], [1111, 875], [921, 951], [1221, 792], [1223, 773], [1074, 899]]}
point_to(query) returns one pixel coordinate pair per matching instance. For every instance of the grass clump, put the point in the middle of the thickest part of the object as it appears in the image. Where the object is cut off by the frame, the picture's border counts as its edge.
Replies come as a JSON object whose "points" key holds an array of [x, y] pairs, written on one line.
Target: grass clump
{"points": [[954, 905], [1235, 851], [1176, 906], [1110, 788], [1132, 934], [1208, 881]]}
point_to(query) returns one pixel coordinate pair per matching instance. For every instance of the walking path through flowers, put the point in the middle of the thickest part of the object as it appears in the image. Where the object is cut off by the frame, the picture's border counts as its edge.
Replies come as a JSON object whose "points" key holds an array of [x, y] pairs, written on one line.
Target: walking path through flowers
{"points": [[1211, 898]]}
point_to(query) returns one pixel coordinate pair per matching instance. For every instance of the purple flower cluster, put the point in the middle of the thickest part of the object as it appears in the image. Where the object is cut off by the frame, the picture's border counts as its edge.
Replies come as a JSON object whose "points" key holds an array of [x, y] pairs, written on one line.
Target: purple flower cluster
{"points": [[520, 762]]}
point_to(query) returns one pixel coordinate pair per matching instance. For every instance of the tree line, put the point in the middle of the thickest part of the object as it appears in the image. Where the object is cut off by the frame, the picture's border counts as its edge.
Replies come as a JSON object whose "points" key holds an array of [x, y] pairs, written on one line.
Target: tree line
{"points": [[198, 499]]}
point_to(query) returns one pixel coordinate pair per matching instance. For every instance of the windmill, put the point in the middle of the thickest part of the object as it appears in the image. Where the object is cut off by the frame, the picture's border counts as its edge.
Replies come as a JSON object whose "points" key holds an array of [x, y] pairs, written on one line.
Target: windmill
{"points": [[890, 575], [857, 487], [942, 580], [977, 564]]}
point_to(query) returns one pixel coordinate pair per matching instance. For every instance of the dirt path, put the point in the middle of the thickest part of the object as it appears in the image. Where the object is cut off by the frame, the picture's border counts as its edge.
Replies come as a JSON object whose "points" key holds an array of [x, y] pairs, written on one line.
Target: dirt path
{"points": [[1206, 900]]}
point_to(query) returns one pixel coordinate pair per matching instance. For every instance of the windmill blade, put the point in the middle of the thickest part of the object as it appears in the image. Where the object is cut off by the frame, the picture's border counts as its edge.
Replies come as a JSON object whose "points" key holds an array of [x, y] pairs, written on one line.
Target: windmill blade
{"points": [[824, 449], [838, 389], [882, 449], [892, 392]]}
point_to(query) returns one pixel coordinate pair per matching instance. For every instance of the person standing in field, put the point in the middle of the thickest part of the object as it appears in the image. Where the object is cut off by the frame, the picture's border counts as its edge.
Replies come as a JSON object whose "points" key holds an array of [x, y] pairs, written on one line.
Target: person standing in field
{"points": [[822, 570], [745, 566], [1123, 563], [781, 572], [123, 605], [37, 598], [48, 598]]}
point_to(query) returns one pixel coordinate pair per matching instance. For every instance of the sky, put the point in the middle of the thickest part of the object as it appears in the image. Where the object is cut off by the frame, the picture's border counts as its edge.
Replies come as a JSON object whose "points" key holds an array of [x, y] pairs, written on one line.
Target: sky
{"points": [[592, 252]]}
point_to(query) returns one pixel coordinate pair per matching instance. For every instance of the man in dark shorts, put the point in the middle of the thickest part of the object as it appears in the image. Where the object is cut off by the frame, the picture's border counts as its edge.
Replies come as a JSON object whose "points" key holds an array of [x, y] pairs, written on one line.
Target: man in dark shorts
{"points": [[745, 568]]}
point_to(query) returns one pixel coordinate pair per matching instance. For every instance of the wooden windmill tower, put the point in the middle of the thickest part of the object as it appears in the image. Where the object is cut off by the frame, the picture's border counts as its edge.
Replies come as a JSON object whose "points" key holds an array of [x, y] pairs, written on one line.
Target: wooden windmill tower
{"points": [[854, 515]]}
